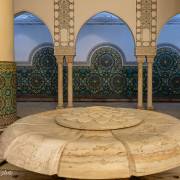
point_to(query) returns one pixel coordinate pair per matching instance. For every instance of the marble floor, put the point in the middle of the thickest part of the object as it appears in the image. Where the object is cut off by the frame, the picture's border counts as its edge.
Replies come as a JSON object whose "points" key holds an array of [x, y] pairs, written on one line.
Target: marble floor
{"points": [[9, 172]]}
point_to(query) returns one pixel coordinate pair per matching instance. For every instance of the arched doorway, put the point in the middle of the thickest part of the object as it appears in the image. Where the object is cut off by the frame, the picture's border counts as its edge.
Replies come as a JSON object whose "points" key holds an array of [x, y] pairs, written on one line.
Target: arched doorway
{"points": [[34, 56]]}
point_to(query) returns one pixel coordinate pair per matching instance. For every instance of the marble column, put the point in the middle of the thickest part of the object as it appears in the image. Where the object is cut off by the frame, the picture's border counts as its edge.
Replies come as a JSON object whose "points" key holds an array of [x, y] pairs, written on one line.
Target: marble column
{"points": [[69, 60], [60, 62], [150, 60], [140, 61], [7, 65]]}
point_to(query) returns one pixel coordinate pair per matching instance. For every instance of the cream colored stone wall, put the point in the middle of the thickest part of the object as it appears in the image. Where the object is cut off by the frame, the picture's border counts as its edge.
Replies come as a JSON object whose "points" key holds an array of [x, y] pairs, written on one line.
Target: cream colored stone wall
{"points": [[44, 9], [125, 9], [85, 9], [166, 10]]}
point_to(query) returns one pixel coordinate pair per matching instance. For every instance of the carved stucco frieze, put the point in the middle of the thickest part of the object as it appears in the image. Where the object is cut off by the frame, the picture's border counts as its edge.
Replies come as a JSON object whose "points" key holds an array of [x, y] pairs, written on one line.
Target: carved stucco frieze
{"points": [[146, 51], [146, 23], [64, 38]]}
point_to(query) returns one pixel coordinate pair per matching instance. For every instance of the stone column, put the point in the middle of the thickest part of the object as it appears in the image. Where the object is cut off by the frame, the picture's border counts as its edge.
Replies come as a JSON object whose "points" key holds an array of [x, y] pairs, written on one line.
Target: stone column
{"points": [[69, 60], [150, 60], [140, 61], [7, 65], [60, 62]]}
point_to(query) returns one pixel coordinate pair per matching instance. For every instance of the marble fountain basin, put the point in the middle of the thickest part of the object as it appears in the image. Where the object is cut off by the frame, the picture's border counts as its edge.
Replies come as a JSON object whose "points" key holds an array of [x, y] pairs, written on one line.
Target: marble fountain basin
{"points": [[93, 143]]}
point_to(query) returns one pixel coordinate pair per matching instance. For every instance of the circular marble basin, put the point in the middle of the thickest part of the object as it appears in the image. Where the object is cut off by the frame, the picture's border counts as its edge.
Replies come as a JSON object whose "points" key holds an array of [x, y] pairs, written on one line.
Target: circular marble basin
{"points": [[94, 143]]}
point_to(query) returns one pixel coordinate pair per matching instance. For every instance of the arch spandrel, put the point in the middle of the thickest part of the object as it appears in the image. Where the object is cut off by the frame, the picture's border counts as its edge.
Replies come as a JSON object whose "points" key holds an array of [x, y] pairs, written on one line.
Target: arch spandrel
{"points": [[85, 9], [120, 19], [37, 8], [22, 12], [166, 10]]}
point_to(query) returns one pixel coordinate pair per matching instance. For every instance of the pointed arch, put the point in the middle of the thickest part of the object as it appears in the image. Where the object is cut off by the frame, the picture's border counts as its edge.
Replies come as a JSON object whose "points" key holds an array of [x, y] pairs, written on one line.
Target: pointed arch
{"points": [[35, 15], [89, 18], [124, 38], [26, 37]]}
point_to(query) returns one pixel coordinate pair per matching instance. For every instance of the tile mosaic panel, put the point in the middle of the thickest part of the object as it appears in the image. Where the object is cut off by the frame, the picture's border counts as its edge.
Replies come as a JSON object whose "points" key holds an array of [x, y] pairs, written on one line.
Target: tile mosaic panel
{"points": [[7, 93], [101, 80]]}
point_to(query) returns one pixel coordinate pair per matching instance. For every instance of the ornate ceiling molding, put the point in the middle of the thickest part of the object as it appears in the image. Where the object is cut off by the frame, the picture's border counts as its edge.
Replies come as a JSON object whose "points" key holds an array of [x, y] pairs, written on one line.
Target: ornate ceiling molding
{"points": [[64, 38], [146, 23]]}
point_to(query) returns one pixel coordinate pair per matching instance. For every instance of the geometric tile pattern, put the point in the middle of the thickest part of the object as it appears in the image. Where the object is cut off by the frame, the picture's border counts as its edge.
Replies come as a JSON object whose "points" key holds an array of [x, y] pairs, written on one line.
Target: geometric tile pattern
{"points": [[106, 78], [40, 79], [167, 72], [7, 93]]}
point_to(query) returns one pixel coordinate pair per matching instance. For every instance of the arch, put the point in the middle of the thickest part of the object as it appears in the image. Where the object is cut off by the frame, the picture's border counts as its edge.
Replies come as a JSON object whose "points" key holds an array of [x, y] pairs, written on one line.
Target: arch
{"points": [[85, 9], [29, 36], [105, 37], [37, 8], [41, 19], [90, 17], [165, 22], [168, 30]]}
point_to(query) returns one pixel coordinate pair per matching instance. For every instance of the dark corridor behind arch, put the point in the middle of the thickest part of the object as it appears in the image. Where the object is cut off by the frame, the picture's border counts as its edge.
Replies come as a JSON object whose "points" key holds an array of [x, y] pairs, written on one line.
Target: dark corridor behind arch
{"points": [[102, 80]]}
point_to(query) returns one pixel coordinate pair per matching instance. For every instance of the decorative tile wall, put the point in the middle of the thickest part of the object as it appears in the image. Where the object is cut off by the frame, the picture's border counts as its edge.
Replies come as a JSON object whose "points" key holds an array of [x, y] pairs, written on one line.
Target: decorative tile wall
{"points": [[106, 78], [7, 93], [167, 72], [40, 79]]}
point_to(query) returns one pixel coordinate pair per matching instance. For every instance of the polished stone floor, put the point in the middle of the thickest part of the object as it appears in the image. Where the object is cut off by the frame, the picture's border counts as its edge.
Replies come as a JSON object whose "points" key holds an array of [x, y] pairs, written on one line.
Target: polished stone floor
{"points": [[27, 108], [8, 172]]}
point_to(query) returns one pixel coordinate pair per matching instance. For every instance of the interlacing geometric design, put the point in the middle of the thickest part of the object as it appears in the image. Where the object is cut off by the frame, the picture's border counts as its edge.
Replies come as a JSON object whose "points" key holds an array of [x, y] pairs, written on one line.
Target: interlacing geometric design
{"points": [[167, 72], [7, 93], [146, 23], [106, 78], [40, 79]]}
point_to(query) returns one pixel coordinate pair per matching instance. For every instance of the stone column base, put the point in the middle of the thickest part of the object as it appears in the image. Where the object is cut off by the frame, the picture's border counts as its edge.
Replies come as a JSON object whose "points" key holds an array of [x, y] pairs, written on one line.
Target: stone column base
{"points": [[140, 107], [150, 108], [7, 94]]}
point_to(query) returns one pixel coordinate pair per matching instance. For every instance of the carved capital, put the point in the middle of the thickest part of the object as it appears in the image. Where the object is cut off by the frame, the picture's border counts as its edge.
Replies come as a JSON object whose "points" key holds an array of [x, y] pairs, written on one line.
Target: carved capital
{"points": [[63, 51], [69, 59], [146, 51], [60, 59], [140, 59], [150, 59]]}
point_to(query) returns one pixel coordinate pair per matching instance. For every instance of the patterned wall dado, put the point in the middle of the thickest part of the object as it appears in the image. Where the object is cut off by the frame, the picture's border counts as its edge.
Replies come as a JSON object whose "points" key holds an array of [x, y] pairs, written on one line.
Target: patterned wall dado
{"points": [[167, 72], [101, 80], [146, 23], [7, 93], [64, 27], [40, 79]]}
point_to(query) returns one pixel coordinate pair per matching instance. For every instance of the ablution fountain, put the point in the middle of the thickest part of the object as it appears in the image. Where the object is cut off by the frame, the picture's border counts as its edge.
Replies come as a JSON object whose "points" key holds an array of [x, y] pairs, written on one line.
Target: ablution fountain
{"points": [[93, 143]]}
